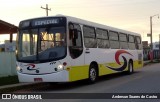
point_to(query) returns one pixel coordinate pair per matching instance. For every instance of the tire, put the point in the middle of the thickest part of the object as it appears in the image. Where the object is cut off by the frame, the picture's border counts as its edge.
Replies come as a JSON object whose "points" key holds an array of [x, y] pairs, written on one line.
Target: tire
{"points": [[92, 74], [130, 68]]}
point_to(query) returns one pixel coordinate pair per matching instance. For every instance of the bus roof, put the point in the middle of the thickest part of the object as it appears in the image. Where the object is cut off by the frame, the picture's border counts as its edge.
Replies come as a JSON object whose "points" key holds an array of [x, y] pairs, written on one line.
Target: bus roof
{"points": [[89, 23], [97, 25]]}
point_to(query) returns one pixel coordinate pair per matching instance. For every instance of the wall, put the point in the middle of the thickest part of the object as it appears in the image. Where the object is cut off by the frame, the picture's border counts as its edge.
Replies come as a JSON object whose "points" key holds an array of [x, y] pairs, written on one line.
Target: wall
{"points": [[7, 64]]}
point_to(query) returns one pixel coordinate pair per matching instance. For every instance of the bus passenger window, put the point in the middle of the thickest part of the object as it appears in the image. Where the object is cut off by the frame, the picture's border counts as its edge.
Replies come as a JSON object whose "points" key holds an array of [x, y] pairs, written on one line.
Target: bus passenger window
{"points": [[89, 37]]}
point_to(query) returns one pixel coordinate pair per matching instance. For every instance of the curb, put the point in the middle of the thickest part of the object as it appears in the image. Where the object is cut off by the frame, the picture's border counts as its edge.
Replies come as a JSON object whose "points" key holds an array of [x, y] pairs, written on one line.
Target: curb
{"points": [[149, 62], [146, 63]]}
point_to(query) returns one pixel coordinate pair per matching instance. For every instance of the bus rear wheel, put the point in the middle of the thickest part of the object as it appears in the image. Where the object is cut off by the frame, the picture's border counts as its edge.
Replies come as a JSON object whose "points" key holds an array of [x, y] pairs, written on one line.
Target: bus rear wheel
{"points": [[92, 74], [130, 68]]}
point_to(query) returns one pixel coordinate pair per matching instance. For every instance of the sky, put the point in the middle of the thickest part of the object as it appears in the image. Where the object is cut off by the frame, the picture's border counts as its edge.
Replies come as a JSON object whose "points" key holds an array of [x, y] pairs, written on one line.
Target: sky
{"points": [[131, 15]]}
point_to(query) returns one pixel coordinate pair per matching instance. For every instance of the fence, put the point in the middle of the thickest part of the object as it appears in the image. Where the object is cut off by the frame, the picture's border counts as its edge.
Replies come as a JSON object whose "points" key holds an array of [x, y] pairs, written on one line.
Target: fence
{"points": [[155, 55], [7, 64]]}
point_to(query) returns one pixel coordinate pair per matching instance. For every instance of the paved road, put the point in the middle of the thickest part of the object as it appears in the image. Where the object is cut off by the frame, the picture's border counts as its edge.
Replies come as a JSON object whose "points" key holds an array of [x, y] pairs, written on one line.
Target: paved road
{"points": [[145, 80]]}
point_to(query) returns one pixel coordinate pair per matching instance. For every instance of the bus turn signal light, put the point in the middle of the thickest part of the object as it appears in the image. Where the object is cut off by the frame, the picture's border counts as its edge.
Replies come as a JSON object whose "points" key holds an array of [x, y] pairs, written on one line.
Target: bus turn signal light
{"points": [[68, 69]]}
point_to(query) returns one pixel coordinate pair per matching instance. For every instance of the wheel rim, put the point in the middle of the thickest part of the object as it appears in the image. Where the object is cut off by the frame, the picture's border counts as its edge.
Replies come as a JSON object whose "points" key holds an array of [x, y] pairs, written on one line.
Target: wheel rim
{"points": [[92, 74]]}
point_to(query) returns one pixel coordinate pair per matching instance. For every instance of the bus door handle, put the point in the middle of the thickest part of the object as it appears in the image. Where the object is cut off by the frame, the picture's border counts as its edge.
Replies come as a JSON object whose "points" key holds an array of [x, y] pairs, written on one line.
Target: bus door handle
{"points": [[87, 50]]}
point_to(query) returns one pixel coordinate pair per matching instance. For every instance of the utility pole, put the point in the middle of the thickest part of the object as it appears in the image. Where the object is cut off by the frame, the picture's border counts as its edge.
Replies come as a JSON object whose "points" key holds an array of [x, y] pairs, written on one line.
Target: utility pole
{"points": [[159, 47], [151, 32], [151, 52], [47, 9], [159, 41], [151, 29]]}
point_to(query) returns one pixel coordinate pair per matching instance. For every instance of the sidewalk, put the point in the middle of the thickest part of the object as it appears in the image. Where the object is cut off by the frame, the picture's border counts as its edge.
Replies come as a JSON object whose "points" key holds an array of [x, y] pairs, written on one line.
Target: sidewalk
{"points": [[146, 62], [149, 61], [14, 87]]}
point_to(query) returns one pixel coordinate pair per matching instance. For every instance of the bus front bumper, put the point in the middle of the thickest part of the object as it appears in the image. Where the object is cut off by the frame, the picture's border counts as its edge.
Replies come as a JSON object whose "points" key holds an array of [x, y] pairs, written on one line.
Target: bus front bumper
{"points": [[61, 76]]}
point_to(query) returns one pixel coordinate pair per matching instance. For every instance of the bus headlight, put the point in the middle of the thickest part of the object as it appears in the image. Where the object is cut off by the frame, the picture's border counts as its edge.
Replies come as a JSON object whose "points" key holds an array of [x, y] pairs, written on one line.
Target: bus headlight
{"points": [[60, 67], [18, 68]]}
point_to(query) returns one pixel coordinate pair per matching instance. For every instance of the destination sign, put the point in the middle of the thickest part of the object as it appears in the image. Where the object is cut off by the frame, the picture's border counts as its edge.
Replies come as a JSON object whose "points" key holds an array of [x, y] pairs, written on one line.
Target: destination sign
{"points": [[42, 22], [46, 22]]}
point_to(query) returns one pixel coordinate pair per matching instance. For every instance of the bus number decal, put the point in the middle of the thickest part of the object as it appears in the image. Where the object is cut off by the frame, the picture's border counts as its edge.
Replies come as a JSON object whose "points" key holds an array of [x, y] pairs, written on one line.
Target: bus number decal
{"points": [[52, 63]]}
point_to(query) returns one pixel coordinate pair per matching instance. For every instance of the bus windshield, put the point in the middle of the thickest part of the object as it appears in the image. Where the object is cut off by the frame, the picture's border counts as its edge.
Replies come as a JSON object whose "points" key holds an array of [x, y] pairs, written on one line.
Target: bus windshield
{"points": [[41, 44]]}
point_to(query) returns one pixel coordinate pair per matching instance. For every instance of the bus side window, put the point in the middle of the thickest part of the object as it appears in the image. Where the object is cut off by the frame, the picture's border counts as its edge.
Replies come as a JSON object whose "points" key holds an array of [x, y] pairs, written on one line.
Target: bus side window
{"points": [[138, 42], [102, 38], [89, 37], [114, 40], [123, 41], [131, 42]]}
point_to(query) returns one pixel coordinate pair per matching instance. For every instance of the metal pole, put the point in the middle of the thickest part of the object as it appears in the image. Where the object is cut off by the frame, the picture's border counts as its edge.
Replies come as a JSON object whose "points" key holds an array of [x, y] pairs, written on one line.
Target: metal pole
{"points": [[151, 32], [151, 48], [159, 42], [159, 47], [151, 29]]}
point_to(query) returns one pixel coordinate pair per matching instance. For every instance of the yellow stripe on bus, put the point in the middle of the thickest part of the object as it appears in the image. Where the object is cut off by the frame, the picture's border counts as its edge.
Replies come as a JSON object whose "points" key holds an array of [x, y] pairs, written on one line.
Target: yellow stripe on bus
{"points": [[82, 72], [78, 72]]}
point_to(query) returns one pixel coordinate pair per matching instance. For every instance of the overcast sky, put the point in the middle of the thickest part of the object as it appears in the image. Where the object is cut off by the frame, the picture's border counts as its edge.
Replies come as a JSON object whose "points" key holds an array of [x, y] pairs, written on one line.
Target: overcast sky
{"points": [[131, 15]]}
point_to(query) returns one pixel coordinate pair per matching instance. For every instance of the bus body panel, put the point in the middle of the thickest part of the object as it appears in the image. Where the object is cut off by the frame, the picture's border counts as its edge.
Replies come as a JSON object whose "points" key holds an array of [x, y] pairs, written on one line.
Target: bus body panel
{"points": [[78, 72], [39, 68], [106, 57]]}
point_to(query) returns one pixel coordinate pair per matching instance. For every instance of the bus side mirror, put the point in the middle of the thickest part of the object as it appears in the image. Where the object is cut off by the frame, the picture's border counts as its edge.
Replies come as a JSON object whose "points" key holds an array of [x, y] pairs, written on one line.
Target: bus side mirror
{"points": [[73, 34]]}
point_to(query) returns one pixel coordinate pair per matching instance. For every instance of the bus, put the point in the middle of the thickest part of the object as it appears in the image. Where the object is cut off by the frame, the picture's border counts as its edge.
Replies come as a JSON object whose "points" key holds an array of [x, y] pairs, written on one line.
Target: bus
{"points": [[66, 49]]}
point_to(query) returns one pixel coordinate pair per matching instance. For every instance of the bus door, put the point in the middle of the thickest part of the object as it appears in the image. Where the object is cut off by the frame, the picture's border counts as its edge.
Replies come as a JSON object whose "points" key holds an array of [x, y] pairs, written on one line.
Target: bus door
{"points": [[76, 45], [90, 44]]}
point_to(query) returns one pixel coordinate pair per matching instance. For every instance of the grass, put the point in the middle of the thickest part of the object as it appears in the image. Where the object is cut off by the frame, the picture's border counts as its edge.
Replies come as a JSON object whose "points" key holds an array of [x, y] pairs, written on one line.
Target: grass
{"points": [[8, 80]]}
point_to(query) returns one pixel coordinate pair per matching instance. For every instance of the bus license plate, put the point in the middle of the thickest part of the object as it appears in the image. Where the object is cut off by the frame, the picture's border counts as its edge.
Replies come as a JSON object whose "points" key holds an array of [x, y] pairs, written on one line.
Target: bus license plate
{"points": [[38, 79]]}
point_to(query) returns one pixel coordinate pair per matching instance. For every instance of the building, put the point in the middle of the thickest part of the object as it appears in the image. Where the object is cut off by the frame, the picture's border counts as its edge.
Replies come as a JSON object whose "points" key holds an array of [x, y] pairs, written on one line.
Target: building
{"points": [[7, 28], [7, 59], [146, 50]]}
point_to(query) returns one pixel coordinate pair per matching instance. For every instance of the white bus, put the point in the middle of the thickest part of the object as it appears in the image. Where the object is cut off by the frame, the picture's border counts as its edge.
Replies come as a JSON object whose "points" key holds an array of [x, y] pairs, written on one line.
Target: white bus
{"points": [[66, 49]]}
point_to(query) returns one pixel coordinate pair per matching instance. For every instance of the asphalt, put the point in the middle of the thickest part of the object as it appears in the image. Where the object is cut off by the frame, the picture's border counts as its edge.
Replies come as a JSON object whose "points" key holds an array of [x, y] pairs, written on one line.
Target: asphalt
{"points": [[14, 87]]}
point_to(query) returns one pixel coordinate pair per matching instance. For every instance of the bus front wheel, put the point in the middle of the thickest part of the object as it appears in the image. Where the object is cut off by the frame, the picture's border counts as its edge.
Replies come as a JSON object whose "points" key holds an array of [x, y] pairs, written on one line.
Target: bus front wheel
{"points": [[92, 74]]}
